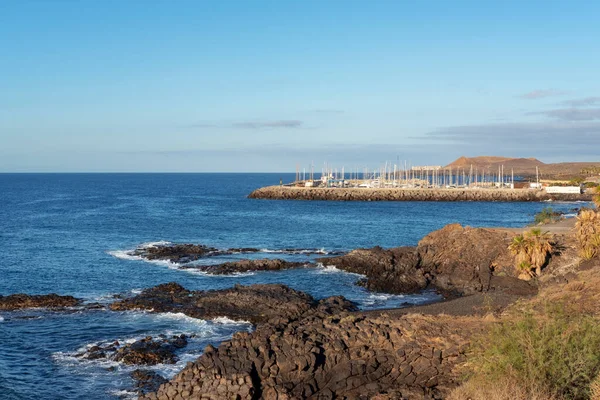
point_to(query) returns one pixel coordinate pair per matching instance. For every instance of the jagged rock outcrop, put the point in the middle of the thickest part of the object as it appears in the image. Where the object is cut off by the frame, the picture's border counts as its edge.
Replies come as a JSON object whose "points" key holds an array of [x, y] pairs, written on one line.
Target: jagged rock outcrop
{"points": [[149, 351], [20, 301], [147, 381], [467, 260], [394, 270], [254, 303], [455, 260], [246, 266], [184, 253], [328, 357], [146, 351], [176, 253]]}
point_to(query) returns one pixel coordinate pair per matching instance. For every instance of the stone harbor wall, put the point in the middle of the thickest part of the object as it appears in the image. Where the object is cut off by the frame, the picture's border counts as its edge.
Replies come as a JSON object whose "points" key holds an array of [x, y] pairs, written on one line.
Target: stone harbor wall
{"points": [[397, 194]]}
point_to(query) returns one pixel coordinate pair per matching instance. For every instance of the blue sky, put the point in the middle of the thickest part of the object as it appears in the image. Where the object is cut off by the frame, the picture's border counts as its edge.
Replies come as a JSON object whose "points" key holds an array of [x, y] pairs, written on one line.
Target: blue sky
{"points": [[265, 85]]}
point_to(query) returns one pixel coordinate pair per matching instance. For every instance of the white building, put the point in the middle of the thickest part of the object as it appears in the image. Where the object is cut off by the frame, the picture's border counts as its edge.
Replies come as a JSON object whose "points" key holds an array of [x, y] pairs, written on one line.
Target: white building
{"points": [[564, 189]]}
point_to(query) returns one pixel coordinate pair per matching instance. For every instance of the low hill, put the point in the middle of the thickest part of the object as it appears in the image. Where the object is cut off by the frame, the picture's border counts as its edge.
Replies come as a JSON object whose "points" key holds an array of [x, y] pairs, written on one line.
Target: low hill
{"points": [[481, 161], [527, 166], [492, 163]]}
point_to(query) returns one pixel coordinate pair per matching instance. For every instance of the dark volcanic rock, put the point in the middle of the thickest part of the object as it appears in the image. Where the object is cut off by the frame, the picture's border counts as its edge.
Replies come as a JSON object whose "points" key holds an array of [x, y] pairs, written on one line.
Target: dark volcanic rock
{"points": [[329, 357], [20, 301], [150, 352], [254, 303], [185, 253], [239, 250], [147, 381], [177, 253], [455, 260], [246, 266], [147, 351], [320, 351], [463, 259], [392, 271]]}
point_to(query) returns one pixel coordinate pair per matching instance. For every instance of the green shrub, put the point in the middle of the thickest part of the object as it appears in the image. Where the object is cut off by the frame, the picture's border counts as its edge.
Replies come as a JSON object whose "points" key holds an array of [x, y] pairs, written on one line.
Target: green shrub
{"points": [[546, 216], [557, 351], [576, 181]]}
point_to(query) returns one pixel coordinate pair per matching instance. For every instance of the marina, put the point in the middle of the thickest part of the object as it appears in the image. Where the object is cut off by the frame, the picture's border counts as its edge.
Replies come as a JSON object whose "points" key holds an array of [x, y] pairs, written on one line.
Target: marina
{"points": [[395, 182], [407, 177]]}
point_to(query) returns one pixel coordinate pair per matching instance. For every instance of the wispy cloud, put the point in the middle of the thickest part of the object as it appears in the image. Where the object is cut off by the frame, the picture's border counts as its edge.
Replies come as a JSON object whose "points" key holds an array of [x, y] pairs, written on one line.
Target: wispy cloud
{"points": [[328, 111], [200, 125], [565, 139], [583, 102], [268, 124], [283, 124], [355, 155], [541, 93], [571, 114]]}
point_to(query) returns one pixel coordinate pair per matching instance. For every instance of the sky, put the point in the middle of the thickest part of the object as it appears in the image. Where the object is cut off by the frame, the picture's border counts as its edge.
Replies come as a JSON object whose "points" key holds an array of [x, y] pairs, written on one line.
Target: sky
{"points": [[264, 86]]}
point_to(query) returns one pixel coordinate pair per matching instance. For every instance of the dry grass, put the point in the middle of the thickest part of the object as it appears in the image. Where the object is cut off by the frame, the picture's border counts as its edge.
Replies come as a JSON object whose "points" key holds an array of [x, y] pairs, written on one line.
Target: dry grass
{"points": [[595, 389], [542, 349], [582, 295], [504, 389], [587, 233]]}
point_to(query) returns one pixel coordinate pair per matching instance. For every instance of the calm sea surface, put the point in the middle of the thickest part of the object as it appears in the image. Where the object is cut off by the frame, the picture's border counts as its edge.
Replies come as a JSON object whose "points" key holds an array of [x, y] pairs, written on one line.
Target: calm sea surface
{"points": [[69, 233]]}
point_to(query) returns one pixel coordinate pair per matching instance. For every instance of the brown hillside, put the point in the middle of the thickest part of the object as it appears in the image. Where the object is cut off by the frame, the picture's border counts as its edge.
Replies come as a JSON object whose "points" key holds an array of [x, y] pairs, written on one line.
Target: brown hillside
{"points": [[524, 166], [481, 161]]}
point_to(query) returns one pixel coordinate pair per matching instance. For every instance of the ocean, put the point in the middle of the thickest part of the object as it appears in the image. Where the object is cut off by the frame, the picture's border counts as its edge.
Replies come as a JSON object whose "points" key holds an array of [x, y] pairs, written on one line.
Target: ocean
{"points": [[70, 234]]}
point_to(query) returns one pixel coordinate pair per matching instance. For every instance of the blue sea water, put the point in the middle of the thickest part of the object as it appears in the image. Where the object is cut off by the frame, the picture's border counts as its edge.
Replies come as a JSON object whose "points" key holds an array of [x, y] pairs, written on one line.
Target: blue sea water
{"points": [[69, 234]]}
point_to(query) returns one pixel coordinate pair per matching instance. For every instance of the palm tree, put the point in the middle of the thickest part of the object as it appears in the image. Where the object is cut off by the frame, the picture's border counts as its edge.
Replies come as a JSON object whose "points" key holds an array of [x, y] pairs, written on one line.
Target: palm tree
{"points": [[520, 247], [540, 247], [531, 250]]}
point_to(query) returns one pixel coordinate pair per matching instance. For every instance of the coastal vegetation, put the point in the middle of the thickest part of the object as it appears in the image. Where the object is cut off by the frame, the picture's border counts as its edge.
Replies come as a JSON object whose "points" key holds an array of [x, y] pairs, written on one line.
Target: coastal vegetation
{"points": [[587, 232], [546, 216], [547, 347], [547, 355], [531, 250]]}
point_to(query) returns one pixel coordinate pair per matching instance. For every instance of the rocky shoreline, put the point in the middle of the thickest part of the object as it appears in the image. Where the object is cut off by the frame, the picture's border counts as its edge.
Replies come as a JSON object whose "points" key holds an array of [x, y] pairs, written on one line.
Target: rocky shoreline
{"points": [[327, 349], [397, 194], [51, 301]]}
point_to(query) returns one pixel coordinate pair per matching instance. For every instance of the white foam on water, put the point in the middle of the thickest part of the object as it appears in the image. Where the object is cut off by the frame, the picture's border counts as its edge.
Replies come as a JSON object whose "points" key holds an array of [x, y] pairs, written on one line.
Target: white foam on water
{"points": [[124, 394], [332, 269], [124, 255], [327, 269], [180, 317], [1, 318], [229, 321], [204, 273], [380, 298], [69, 359], [148, 245], [295, 251], [200, 333], [128, 255]]}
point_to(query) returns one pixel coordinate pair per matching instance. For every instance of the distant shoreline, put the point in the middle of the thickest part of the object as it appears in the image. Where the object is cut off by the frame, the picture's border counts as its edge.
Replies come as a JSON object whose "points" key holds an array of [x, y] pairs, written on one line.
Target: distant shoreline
{"points": [[399, 194]]}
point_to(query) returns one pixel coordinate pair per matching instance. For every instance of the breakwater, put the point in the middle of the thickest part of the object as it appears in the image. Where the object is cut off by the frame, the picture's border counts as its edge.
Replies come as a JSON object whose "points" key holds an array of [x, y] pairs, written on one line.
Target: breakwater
{"points": [[398, 194]]}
